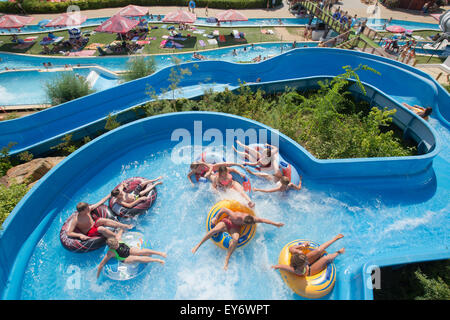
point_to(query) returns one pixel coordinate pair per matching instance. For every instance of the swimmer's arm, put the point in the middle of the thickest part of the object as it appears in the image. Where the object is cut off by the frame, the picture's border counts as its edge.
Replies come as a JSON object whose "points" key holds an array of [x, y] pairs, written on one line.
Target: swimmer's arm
{"points": [[277, 189], [283, 267], [98, 204], [190, 174], [267, 221], [108, 256], [296, 187]]}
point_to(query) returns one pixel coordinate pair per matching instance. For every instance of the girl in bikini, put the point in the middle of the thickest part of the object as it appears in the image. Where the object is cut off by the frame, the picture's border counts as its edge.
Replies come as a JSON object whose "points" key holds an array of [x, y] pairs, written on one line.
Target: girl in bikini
{"points": [[202, 169], [312, 262], [224, 180]]}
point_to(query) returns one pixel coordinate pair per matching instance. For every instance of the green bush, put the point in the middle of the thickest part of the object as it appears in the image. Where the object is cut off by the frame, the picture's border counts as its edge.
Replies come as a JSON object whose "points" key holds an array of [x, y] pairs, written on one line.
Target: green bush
{"points": [[138, 68], [9, 197], [391, 3], [66, 87], [36, 6], [328, 122]]}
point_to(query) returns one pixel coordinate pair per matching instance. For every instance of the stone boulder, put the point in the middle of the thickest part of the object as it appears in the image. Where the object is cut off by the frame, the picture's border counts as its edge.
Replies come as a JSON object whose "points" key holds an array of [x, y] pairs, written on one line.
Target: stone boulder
{"points": [[30, 172]]}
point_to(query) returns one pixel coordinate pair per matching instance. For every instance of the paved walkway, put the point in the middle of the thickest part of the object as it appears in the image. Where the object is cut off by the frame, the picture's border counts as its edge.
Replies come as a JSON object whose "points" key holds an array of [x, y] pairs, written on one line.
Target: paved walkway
{"points": [[352, 6]]}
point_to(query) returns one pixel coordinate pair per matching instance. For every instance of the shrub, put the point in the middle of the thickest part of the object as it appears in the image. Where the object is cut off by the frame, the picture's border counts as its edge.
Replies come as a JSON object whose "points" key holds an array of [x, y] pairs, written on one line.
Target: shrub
{"points": [[138, 68], [9, 197], [66, 87], [391, 3]]}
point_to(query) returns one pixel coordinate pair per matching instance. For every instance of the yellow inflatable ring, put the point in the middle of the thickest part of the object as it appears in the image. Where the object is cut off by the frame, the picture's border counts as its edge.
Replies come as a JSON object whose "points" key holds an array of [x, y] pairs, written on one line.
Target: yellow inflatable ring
{"points": [[222, 239], [312, 287]]}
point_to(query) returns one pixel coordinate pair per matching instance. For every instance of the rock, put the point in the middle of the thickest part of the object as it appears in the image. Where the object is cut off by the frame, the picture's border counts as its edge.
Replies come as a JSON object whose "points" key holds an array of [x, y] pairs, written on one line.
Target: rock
{"points": [[30, 172]]}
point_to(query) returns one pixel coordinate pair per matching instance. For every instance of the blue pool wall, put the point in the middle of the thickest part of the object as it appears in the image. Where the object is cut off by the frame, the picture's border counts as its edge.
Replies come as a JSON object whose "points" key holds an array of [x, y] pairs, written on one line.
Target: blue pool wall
{"points": [[396, 79]]}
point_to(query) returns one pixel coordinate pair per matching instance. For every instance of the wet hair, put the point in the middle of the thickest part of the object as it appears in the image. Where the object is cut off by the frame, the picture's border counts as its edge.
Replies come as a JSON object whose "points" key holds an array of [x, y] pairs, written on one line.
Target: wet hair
{"points": [[112, 242], [194, 166], [427, 112], [269, 152], [298, 261], [249, 220], [115, 193], [82, 206], [223, 169], [285, 180]]}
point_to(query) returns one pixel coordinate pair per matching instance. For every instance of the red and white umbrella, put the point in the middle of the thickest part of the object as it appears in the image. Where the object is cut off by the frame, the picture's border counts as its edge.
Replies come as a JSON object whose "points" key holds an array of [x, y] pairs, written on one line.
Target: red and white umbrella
{"points": [[67, 20], [12, 21], [117, 24], [395, 29], [180, 16], [231, 15], [133, 11]]}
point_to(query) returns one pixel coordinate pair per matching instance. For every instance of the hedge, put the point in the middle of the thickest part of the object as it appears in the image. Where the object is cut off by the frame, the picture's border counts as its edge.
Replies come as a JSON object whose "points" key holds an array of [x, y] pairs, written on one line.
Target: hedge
{"points": [[36, 6]]}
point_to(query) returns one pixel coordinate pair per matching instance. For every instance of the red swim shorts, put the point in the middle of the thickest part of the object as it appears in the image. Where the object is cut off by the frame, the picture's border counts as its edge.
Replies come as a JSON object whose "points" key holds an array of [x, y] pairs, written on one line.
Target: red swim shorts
{"points": [[93, 231], [230, 225]]}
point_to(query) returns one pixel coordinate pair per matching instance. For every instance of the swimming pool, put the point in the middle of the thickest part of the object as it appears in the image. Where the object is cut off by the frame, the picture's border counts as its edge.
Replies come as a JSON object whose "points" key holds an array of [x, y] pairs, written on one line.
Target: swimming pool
{"points": [[19, 89], [378, 24]]}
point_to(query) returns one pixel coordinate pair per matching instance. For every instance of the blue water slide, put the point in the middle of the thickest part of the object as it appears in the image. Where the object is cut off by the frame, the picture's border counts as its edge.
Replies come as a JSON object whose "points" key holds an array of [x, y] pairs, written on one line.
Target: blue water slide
{"points": [[38, 131]]}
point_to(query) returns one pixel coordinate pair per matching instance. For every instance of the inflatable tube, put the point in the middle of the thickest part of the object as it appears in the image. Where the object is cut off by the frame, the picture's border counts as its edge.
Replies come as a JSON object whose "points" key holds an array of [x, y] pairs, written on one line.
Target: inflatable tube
{"points": [[222, 239], [312, 287], [138, 209], [286, 168], [117, 270], [192, 4], [81, 246]]}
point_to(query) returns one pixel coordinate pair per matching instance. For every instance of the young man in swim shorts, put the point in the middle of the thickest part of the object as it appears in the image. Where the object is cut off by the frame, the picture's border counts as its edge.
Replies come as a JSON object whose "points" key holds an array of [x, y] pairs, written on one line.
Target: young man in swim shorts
{"points": [[232, 223], [122, 252], [92, 228], [201, 169]]}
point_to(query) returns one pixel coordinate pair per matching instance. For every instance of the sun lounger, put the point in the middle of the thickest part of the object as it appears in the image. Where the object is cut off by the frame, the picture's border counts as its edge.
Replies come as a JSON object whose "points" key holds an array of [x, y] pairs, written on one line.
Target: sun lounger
{"points": [[212, 41], [30, 39]]}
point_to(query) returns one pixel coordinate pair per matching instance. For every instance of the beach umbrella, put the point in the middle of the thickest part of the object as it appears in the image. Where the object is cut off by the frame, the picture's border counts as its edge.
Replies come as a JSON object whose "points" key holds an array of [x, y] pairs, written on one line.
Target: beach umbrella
{"points": [[67, 20], [395, 29], [231, 15], [117, 24], [13, 21], [133, 11], [180, 16]]}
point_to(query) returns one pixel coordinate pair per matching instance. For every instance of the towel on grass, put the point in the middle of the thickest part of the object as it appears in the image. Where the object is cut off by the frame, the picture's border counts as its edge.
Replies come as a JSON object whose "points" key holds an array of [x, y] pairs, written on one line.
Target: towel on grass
{"points": [[202, 43], [212, 41]]}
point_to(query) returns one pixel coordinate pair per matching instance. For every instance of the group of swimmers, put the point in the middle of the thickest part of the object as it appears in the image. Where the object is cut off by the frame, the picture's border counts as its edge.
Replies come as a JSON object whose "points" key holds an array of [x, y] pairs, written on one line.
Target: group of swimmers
{"points": [[84, 227], [219, 174]]}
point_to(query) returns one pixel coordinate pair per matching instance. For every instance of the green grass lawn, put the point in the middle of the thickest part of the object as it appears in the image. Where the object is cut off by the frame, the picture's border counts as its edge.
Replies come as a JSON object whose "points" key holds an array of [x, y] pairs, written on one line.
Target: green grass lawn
{"points": [[252, 35]]}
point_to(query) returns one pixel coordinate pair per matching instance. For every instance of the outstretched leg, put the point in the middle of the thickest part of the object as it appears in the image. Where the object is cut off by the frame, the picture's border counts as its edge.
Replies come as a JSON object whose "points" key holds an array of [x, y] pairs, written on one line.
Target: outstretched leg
{"points": [[233, 244], [218, 228], [142, 259], [314, 255], [322, 263], [146, 252], [111, 223]]}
